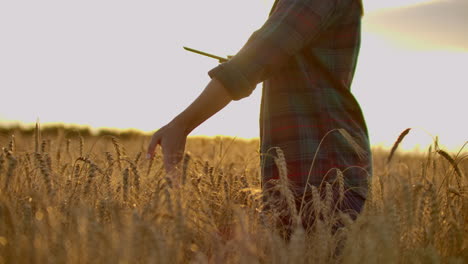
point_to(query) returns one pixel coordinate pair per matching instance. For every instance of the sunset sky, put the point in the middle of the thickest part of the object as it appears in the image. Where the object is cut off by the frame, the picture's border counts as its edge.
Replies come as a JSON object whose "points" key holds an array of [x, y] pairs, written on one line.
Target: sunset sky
{"points": [[121, 64]]}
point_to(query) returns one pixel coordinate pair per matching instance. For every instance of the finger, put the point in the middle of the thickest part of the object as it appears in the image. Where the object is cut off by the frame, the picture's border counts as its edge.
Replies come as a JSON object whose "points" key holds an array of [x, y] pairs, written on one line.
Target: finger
{"points": [[155, 140]]}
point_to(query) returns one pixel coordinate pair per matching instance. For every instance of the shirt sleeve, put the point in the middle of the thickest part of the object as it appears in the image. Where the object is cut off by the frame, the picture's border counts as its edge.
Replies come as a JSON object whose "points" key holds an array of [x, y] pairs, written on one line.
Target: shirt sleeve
{"points": [[293, 24]]}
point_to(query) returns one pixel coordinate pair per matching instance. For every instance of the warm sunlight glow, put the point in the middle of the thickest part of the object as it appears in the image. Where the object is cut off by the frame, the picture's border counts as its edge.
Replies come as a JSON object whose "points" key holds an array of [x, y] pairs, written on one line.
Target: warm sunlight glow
{"points": [[372, 5], [400, 88], [431, 25]]}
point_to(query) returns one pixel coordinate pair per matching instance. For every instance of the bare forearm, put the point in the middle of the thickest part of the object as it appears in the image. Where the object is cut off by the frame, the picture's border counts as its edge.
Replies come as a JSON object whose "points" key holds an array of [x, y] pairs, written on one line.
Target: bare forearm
{"points": [[209, 102]]}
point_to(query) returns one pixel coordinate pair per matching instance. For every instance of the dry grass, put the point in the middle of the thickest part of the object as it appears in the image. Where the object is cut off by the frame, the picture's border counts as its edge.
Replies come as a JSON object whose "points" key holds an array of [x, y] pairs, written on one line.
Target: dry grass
{"points": [[84, 199]]}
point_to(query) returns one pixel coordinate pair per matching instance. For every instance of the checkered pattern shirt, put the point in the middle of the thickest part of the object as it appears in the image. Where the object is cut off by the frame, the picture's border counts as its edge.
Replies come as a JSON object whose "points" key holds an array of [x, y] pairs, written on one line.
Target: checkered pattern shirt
{"points": [[299, 105]]}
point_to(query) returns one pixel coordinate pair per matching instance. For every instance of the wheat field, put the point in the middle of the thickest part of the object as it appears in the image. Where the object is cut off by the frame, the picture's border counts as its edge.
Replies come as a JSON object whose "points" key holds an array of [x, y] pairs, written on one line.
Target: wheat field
{"points": [[68, 196]]}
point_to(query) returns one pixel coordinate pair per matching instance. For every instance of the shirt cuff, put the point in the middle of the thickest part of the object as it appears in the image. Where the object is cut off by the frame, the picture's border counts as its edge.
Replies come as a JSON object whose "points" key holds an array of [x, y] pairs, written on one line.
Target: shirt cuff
{"points": [[236, 83]]}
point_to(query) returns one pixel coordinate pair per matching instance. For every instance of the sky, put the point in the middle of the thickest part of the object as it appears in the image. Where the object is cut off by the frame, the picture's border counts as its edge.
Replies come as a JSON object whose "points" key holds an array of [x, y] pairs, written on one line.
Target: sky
{"points": [[120, 64]]}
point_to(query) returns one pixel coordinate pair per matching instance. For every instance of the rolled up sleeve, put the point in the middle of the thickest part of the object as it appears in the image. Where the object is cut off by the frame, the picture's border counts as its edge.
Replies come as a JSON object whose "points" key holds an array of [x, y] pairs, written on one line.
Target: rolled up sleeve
{"points": [[289, 29]]}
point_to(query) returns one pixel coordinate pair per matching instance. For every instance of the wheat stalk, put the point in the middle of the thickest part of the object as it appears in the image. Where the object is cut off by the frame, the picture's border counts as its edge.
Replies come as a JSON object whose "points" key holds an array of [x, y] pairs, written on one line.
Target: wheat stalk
{"points": [[150, 165], [455, 167], [136, 175], [352, 142], [12, 163], [137, 158], [397, 143], [12, 144], [118, 150], [91, 176], [285, 186], [125, 175], [43, 146], [2, 161], [81, 146], [452, 162], [341, 186], [349, 139], [37, 136], [45, 172]]}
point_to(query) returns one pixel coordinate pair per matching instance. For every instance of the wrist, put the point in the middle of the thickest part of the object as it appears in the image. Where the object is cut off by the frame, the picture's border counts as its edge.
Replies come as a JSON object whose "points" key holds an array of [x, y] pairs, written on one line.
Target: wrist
{"points": [[182, 123]]}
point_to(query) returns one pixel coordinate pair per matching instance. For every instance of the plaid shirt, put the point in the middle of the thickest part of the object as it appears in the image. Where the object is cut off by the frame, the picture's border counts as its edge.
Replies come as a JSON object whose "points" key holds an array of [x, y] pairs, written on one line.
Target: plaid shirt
{"points": [[299, 105]]}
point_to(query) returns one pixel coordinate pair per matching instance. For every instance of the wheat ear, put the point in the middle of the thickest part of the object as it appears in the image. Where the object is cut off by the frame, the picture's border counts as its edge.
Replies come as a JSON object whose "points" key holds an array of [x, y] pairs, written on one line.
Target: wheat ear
{"points": [[397, 143]]}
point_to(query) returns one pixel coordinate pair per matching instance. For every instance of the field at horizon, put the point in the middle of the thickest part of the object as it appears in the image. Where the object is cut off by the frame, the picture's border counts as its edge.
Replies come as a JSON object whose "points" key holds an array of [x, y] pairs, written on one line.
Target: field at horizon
{"points": [[8, 129]]}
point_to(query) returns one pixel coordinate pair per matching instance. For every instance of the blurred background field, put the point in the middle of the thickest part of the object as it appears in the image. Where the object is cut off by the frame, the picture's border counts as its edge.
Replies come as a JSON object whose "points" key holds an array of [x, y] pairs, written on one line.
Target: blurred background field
{"points": [[72, 196]]}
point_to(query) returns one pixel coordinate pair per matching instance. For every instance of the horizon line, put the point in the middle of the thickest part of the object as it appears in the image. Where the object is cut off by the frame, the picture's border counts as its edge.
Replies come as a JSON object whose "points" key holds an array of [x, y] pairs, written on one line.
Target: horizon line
{"points": [[94, 131]]}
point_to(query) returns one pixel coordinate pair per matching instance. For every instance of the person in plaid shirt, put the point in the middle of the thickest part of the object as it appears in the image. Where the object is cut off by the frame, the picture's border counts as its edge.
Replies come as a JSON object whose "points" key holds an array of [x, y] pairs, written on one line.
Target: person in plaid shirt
{"points": [[305, 55]]}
